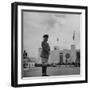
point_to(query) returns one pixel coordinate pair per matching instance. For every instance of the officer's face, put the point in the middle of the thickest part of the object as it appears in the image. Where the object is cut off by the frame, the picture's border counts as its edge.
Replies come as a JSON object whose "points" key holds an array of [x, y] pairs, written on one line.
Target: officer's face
{"points": [[46, 39]]}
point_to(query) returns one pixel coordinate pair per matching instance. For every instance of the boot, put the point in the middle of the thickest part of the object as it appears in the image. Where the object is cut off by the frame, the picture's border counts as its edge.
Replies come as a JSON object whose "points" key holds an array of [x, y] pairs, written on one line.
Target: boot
{"points": [[44, 72]]}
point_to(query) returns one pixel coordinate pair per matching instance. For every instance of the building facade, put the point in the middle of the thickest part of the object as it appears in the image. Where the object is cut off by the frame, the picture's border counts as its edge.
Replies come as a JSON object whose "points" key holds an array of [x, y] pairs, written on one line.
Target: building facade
{"points": [[71, 55]]}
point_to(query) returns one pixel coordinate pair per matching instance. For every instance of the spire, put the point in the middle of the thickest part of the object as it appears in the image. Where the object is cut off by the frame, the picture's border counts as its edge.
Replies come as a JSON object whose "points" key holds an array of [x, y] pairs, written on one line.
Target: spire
{"points": [[74, 35]]}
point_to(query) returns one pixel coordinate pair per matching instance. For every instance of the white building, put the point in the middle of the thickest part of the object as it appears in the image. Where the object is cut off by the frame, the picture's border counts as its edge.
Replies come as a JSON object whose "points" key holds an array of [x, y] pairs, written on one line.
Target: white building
{"points": [[63, 56]]}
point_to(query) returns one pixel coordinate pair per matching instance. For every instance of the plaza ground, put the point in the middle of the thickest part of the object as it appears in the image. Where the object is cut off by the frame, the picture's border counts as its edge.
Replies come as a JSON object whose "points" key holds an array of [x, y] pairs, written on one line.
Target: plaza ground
{"points": [[52, 71]]}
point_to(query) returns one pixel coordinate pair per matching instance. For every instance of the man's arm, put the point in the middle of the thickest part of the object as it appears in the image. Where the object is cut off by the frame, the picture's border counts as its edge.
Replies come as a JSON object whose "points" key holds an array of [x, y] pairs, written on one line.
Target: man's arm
{"points": [[46, 47]]}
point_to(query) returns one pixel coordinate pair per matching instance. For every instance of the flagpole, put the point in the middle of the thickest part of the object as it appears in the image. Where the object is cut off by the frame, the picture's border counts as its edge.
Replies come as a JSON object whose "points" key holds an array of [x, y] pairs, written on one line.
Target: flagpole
{"points": [[74, 38], [58, 42]]}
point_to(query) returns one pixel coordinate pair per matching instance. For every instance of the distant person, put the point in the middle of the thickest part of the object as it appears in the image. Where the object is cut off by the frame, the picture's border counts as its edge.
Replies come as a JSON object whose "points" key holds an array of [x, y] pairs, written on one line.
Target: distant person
{"points": [[25, 54], [45, 54]]}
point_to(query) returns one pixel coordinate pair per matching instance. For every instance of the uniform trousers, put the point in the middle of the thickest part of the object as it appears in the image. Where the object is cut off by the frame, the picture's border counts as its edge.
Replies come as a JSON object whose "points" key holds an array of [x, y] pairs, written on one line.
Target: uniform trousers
{"points": [[44, 66]]}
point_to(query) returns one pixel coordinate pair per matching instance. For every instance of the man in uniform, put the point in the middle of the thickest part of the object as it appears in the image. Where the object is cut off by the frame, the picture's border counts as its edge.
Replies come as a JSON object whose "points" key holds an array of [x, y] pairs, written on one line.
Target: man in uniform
{"points": [[45, 54]]}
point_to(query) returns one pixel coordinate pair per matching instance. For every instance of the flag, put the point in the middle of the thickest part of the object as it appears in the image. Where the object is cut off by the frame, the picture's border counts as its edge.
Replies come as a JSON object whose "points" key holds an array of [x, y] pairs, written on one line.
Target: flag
{"points": [[74, 36], [57, 39]]}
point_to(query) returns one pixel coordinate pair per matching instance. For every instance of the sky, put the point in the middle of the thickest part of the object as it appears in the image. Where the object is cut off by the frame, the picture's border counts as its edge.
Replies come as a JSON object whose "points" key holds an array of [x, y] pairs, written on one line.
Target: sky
{"points": [[57, 25]]}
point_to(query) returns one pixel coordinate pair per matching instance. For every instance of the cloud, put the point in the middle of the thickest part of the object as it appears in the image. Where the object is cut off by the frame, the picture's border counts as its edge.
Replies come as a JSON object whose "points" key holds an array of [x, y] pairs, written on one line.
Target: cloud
{"points": [[58, 25]]}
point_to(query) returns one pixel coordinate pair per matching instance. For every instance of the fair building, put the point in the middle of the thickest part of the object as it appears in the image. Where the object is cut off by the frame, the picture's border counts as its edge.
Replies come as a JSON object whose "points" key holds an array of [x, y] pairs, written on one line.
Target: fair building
{"points": [[63, 56]]}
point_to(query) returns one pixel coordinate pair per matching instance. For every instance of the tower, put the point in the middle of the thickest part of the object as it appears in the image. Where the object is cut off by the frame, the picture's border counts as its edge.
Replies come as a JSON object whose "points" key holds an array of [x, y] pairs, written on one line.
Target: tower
{"points": [[39, 53], [73, 53]]}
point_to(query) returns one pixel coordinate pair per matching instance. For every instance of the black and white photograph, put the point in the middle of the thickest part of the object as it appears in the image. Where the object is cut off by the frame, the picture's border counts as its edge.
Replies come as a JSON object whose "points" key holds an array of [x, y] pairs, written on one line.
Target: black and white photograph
{"points": [[50, 44]]}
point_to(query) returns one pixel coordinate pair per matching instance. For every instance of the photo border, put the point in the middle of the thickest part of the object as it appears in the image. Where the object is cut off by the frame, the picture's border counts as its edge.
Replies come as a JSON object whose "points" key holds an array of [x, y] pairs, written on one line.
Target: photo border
{"points": [[14, 42]]}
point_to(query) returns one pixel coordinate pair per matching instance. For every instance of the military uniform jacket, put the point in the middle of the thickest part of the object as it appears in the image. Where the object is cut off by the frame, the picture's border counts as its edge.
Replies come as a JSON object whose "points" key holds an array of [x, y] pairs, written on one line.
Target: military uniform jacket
{"points": [[45, 50]]}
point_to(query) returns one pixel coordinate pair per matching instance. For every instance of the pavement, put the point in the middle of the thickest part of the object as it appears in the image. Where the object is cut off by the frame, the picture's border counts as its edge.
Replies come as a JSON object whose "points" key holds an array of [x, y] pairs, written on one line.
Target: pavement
{"points": [[52, 71]]}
